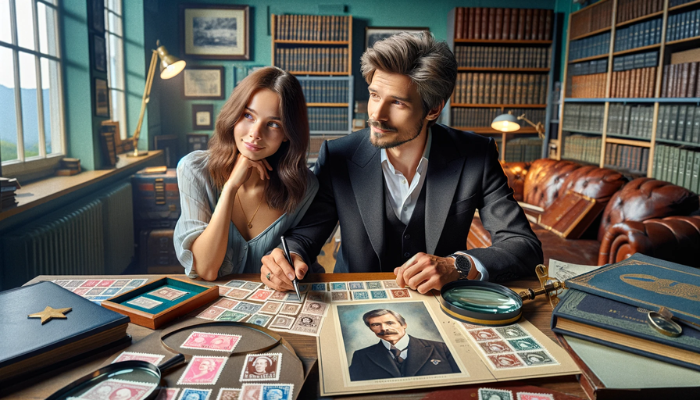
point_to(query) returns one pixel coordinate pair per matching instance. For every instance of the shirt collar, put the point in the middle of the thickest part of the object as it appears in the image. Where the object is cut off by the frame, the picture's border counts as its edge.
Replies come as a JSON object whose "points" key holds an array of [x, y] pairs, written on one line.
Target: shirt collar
{"points": [[421, 165], [401, 344]]}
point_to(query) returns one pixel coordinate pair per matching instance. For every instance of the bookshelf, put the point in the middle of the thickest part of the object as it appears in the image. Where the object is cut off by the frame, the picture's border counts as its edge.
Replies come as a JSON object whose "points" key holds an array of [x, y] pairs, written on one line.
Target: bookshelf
{"points": [[504, 59], [642, 92]]}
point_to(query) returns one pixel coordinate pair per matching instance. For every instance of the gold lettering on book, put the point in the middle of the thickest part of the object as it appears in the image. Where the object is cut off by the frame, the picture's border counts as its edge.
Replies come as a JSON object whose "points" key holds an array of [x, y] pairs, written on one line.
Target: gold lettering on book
{"points": [[663, 286]]}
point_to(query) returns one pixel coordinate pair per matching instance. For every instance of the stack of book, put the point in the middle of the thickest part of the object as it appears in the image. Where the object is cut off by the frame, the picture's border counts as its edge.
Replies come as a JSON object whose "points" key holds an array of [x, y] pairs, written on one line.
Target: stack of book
{"points": [[588, 68], [69, 166], [487, 88], [627, 120], [325, 91], [8, 188], [312, 59], [680, 123], [683, 26], [634, 75], [631, 9], [680, 80], [523, 149], [632, 158], [584, 118], [328, 119], [482, 117], [588, 86], [582, 148], [590, 46], [503, 24], [678, 166], [502, 57], [312, 27], [591, 19], [641, 34]]}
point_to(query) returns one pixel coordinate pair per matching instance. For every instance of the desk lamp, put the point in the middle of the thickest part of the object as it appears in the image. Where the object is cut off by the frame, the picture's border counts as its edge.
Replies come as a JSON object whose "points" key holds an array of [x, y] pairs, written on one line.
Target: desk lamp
{"points": [[509, 123]]}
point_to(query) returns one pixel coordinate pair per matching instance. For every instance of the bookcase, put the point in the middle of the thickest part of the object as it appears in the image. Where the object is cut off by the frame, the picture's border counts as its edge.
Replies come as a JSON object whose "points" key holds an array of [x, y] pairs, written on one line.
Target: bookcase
{"points": [[631, 98], [504, 59]]}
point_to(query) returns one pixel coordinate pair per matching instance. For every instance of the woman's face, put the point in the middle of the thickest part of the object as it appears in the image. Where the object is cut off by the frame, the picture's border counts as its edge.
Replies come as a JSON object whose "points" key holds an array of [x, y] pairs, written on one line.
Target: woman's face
{"points": [[259, 131]]}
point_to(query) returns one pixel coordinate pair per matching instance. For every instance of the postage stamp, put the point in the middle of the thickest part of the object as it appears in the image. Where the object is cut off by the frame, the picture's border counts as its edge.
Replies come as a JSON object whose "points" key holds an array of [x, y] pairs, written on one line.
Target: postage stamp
{"points": [[279, 296], [304, 287], [211, 341], [259, 319], [192, 394], [238, 294], [360, 295], [211, 313], [235, 283], [271, 307], [261, 295], [374, 285], [261, 367], [202, 370], [536, 358], [248, 308], [249, 391], [251, 285], [484, 334], [400, 293], [62, 283], [228, 394], [524, 344], [111, 291], [356, 285], [340, 296], [234, 316], [136, 282], [144, 302], [223, 290], [120, 283], [226, 303], [378, 294], [307, 324], [168, 394], [81, 291], [323, 297], [278, 391], [105, 283], [290, 309], [489, 394], [74, 284], [339, 286], [318, 287], [154, 359], [390, 285], [282, 322], [118, 389], [90, 283], [314, 307], [534, 396], [96, 291], [511, 332], [168, 293], [294, 298], [471, 326], [495, 347], [505, 361]]}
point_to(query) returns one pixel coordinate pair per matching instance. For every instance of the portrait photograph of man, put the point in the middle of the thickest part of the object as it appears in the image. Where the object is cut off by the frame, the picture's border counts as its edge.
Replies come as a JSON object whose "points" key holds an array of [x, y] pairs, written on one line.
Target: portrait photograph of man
{"points": [[393, 340]]}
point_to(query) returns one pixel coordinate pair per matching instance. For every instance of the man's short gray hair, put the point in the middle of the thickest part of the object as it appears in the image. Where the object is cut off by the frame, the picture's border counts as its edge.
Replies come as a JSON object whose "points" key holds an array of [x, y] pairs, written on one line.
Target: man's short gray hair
{"points": [[378, 313]]}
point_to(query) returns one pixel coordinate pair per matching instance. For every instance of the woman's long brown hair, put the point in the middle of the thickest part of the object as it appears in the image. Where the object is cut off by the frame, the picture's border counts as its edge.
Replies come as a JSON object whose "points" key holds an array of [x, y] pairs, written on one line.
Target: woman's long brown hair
{"points": [[288, 179]]}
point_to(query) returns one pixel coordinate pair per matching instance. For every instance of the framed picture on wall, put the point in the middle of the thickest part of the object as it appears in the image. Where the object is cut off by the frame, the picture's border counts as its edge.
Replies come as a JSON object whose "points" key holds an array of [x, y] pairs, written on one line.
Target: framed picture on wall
{"points": [[197, 141], [373, 34], [215, 31], [203, 83], [169, 145], [99, 53], [101, 98], [202, 117], [97, 15]]}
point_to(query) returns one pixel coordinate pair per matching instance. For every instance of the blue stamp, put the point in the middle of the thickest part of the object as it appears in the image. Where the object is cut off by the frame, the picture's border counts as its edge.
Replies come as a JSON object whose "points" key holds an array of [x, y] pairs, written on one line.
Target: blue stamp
{"points": [[101, 298], [248, 308], [524, 344], [318, 287], [356, 286], [136, 283], [234, 283], [259, 319], [280, 392], [360, 295], [379, 294], [303, 287], [111, 291], [195, 394], [374, 285], [293, 297], [339, 286]]}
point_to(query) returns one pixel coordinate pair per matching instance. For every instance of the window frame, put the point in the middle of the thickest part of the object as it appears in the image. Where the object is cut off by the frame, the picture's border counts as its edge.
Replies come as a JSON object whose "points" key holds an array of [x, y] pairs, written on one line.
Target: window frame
{"points": [[109, 30]]}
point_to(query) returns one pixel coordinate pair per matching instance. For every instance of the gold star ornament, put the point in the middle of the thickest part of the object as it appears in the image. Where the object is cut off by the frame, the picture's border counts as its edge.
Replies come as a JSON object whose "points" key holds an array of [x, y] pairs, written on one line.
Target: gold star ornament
{"points": [[50, 313]]}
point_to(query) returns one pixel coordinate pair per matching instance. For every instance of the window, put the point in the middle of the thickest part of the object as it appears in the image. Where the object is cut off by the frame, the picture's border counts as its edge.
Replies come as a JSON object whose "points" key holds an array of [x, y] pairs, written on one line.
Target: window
{"points": [[115, 62], [31, 105]]}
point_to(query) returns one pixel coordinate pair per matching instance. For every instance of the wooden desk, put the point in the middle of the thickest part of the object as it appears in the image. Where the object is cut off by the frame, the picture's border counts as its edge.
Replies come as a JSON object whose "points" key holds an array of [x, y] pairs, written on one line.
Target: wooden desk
{"points": [[537, 312]]}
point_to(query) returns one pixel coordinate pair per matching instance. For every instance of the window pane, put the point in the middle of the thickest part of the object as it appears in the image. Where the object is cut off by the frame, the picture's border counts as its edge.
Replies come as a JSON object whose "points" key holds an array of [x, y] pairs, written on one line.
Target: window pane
{"points": [[8, 114], [30, 114], [116, 62], [5, 32], [114, 5], [119, 111], [25, 23], [115, 24], [52, 115], [47, 29]]}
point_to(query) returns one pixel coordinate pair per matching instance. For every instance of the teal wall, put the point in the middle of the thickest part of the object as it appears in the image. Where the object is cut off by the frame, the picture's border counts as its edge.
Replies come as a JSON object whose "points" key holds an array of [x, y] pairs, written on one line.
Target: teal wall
{"points": [[163, 24], [136, 66]]}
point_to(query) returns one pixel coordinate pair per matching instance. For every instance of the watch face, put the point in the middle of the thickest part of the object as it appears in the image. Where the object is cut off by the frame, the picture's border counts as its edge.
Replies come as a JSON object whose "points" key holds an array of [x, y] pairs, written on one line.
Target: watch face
{"points": [[463, 264]]}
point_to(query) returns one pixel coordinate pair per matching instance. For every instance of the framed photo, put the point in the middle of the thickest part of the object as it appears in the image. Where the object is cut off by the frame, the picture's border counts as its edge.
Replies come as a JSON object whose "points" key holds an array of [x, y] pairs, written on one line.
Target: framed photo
{"points": [[97, 15], [202, 116], [215, 31], [99, 53], [169, 145], [101, 98], [373, 34], [197, 141], [203, 83]]}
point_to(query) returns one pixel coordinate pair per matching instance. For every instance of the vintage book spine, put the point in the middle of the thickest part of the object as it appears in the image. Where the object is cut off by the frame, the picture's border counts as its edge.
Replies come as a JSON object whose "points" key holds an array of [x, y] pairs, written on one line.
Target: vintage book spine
{"points": [[514, 17], [689, 162], [497, 24], [468, 23], [682, 160], [521, 25], [459, 25], [695, 131], [695, 177], [680, 124], [484, 23], [477, 23], [527, 29], [505, 28]]}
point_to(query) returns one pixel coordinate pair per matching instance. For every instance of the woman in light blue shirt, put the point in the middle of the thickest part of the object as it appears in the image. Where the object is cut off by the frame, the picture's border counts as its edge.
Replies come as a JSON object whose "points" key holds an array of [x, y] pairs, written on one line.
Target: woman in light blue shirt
{"points": [[239, 196]]}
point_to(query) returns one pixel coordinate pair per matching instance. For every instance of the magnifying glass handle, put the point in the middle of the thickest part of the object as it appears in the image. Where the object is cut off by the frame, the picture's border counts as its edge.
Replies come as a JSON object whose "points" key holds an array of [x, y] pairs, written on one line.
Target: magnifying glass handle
{"points": [[173, 362]]}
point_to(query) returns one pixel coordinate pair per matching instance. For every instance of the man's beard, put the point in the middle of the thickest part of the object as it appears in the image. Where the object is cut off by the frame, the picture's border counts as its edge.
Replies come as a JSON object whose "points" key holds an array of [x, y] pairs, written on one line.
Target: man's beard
{"points": [[375, 137]]}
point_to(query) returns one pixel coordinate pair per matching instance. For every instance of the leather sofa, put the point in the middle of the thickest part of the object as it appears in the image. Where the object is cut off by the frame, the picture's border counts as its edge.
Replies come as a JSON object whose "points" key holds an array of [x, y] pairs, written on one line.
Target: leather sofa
{"points": [[645, 215]]}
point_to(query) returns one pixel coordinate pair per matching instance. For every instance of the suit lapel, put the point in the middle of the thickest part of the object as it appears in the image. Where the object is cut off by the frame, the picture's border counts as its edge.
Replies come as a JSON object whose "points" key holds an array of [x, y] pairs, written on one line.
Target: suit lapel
{"points": [[444, 171], [418, 355], [366, 178], [384, 360]]}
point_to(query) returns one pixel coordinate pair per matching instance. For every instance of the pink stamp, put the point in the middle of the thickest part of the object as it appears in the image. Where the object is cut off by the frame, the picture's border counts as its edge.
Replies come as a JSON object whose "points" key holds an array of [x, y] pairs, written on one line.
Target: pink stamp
{"points": [[154, 359], [238, 294], [495, 347], [229, 394], [105, 283], [281, 296], [211, 313], [168, 394], [484, 334], [168, 293], [290, 309], [535, 396], [118, 389], [211, 341], [261, 295], [202, 371], [505, 361], [226, 303], [250, 392], [81, 291], [261, 367], [90, 283], [271, 307], [223, 290]]}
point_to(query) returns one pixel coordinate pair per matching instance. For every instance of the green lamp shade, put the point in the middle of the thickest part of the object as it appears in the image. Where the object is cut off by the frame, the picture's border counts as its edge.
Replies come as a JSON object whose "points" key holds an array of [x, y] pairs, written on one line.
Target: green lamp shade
{"points": [[505, 123]]}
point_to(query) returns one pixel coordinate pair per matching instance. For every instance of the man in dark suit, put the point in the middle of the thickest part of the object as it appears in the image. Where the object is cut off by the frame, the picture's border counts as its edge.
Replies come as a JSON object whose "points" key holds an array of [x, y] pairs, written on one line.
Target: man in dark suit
{"points": [[406, 189], [398, 354]]}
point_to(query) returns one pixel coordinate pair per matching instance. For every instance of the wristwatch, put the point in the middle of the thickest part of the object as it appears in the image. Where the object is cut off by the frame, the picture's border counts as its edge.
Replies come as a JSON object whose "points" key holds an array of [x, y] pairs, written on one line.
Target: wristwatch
{"points": [[463, 265]]}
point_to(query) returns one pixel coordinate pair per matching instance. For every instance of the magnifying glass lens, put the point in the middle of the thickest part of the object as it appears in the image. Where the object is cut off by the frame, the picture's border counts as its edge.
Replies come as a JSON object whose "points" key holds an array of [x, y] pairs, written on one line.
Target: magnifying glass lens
{"points": [[482, 300], [128, 383]]}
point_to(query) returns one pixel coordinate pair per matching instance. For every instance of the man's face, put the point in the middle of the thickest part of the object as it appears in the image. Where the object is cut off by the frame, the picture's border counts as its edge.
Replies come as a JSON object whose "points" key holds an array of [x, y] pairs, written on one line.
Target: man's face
{"points": [[395, 110], [387, 327], [274, 394], [260, 365]]}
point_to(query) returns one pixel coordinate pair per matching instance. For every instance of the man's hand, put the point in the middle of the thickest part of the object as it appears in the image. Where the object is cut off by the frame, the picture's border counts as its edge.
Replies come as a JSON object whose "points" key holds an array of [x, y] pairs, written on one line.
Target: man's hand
{"points": [[424, 272], [281, 273]]}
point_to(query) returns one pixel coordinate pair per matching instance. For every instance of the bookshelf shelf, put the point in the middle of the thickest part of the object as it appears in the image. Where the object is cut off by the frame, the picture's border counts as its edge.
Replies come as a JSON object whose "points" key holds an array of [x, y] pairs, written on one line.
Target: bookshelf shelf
{"points": [[686, 40], [489, 130], [320, 42], [584, 100], [585, 132], [499, 105], [615, 135], [628, 142], [494, 69], [492, 41], [585, 35], [650, 47], [678, 99], [591, 58], [638, 19], [686, 5], [676, 142], [327, 104]]}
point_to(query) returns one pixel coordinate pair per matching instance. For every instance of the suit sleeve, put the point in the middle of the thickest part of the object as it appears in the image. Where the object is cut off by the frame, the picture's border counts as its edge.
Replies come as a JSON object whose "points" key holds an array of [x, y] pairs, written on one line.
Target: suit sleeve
{"points": [[309, 236], [451, 360], [515, 250]]}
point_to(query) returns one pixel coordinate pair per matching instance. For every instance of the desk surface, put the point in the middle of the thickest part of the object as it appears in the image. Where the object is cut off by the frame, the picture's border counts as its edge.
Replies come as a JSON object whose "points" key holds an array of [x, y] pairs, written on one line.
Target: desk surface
{"points": [[537, 312]]}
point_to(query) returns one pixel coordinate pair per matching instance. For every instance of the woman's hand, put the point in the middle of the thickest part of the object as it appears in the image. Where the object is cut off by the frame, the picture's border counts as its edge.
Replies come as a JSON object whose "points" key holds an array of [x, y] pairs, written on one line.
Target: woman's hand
{"points": [[242, 170]]}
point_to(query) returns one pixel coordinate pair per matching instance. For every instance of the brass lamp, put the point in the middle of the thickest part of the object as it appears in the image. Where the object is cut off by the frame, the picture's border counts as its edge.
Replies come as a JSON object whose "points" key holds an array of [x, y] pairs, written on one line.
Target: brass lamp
{"points": [[170, 66], [509, 123]]}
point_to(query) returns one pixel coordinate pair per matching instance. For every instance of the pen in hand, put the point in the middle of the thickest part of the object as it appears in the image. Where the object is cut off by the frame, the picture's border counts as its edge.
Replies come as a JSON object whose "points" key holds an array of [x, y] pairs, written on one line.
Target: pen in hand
{"points": [[288, 256]]}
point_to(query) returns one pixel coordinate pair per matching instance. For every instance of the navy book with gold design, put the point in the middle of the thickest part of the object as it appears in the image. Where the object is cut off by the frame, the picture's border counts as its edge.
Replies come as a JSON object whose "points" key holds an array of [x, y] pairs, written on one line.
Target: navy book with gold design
{"points": [[29, 345]]}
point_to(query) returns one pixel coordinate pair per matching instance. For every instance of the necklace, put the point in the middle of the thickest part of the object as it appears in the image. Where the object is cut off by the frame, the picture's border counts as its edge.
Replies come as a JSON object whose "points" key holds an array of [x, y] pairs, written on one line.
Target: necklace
{"points": [[250, 222]]}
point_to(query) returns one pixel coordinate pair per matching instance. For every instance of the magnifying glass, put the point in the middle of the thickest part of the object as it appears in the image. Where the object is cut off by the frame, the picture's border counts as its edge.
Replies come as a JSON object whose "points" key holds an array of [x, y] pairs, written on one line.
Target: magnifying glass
{"points": [[137, 379]]}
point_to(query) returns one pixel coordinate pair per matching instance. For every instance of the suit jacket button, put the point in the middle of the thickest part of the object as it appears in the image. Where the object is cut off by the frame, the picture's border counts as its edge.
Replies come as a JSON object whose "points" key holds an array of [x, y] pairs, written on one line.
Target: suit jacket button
{"points": [[407, 236], [406, 254]]}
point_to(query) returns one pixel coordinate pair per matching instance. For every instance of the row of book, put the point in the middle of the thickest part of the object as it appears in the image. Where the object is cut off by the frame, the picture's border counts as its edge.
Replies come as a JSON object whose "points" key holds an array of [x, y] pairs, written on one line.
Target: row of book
{"points": [[639, 60], [683, 26], [678, 122], [588, 67], [503, 57], [582, 148], [486, 88], [674, 3], [680, 80], [641, 34], [503, 24], [8, 189], [312, 59], [631, 158], [636, 83], [627, 120], [328, 119], [588, 86], [678, 166], [631, 9], [591, 19], [482, 117], [590, 46], [325, 91], [312, 27], [523, 149], [583, 117]]}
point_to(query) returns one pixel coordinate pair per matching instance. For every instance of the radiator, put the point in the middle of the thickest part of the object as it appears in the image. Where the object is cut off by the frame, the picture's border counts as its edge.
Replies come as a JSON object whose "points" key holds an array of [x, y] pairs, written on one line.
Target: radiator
{"points": [[94, 236]]}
